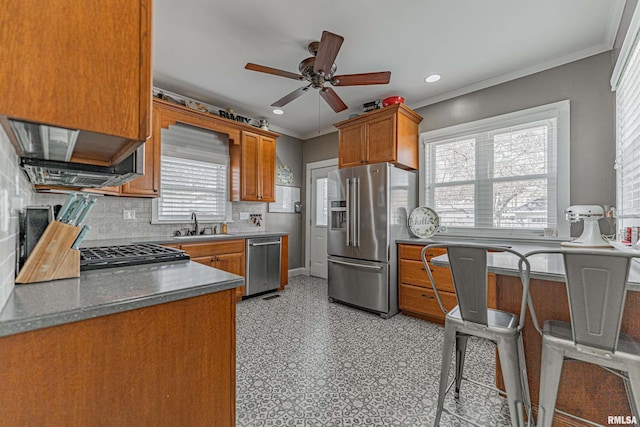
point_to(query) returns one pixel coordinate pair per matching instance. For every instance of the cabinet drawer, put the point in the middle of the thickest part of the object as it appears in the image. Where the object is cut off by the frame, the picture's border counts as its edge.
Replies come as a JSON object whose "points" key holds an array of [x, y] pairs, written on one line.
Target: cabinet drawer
{"points": [[206, 260], [413, 252], [213, 248], [413, 273], [423, 301]]}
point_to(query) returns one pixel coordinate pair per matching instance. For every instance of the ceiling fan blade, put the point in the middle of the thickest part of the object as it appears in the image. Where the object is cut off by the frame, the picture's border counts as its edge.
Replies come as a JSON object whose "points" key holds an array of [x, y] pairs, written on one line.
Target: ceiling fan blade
{"points": [[380, 78], [327, 51], [333, 99], [274, 71], [293, 95]]}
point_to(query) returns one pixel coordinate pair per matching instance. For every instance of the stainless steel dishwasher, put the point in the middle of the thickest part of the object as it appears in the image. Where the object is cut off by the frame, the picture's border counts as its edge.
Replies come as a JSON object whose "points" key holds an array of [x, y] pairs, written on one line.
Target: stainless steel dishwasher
{"points": [[263, 265]]}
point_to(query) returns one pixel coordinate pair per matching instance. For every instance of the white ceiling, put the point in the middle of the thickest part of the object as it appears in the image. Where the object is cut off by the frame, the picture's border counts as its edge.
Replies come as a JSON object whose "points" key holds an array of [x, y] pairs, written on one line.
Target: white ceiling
{"points": [[201, 48]]}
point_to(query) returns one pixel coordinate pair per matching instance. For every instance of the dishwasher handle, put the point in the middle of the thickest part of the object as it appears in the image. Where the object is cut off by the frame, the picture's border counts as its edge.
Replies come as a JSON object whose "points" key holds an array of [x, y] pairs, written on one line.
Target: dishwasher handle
{"points": [[265, 243]]}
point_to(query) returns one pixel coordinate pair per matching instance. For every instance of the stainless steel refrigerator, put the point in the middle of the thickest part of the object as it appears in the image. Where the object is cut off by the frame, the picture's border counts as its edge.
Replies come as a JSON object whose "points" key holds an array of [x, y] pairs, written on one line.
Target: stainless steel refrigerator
{"points": [[369, 207]]}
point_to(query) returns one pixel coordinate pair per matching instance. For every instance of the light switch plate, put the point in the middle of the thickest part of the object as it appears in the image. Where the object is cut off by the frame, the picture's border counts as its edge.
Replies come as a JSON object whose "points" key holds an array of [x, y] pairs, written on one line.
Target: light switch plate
{"points": [[244, 215], [128, 214]]}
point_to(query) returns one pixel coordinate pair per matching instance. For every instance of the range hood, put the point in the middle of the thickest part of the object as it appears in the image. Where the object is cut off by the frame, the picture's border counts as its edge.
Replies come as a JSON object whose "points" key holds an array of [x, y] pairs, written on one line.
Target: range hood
{"points": [[46, 153]]}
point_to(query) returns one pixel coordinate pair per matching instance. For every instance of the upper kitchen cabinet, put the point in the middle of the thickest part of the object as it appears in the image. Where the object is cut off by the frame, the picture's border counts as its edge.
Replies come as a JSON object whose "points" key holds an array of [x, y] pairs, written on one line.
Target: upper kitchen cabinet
{"points": [[148, 185], [83, 66], [386, 135], [253, 168]]}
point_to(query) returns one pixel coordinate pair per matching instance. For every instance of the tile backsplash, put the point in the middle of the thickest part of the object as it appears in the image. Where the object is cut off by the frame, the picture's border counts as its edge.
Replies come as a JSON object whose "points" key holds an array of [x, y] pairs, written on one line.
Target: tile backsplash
{"points": [[107, 222], [14, 191]]}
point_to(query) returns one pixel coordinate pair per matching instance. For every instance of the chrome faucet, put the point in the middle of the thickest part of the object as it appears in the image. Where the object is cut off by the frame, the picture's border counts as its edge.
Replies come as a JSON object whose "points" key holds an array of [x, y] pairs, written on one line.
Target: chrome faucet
{"points": [[194, 218]]}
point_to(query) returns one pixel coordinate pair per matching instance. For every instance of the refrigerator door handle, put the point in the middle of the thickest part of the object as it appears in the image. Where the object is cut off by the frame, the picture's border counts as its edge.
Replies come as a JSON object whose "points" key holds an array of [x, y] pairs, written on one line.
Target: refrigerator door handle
{"points": [[356, 228], [351, 264], [348, 212]]}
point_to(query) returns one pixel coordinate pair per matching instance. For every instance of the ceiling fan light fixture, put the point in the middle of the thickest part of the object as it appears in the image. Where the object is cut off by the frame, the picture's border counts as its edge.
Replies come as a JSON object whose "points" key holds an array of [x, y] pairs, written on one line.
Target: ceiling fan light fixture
{"points": [[432, 78], [278, 111]]}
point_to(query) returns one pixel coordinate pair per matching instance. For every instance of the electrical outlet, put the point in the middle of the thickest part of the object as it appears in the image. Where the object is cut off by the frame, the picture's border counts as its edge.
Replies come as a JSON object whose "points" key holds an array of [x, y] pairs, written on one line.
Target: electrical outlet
{"points": [[128, 214], [244, 215]]}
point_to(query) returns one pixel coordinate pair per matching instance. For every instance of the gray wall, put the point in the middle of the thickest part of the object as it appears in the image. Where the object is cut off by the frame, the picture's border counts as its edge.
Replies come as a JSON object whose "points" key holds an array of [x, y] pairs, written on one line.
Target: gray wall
{"points": [[585, 83], [16, 185], [289, 153]]}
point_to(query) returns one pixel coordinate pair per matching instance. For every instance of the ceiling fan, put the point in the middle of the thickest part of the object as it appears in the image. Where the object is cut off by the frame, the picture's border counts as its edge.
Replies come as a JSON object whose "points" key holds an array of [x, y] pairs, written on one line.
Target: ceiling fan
{"points": [[320, 69]]}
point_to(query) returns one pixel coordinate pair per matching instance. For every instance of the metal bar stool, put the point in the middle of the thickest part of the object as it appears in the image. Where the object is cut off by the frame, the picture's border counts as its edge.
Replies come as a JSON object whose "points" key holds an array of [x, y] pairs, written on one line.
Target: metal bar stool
{"points": [[471, 316], [596, 289]]}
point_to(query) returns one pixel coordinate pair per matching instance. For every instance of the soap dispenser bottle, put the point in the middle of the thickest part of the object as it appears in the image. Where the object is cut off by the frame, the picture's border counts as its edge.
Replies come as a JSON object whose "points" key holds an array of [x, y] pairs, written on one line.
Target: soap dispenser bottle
{"points": [[224, 228]]}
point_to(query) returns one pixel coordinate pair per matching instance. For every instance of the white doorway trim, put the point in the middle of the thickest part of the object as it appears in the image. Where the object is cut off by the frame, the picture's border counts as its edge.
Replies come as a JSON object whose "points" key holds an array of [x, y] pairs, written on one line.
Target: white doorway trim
{"points": [[307, 201]]}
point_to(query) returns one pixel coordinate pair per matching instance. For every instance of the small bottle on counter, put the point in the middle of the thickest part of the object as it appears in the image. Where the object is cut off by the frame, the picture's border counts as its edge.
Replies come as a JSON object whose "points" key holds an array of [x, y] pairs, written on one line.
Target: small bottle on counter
{"points": [[224, 228]]}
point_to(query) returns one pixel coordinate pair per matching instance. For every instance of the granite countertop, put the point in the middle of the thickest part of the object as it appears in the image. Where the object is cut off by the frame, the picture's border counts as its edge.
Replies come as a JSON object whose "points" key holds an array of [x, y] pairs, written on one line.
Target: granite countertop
{"points": [[176, 241], [108, 291], [545, 266]]}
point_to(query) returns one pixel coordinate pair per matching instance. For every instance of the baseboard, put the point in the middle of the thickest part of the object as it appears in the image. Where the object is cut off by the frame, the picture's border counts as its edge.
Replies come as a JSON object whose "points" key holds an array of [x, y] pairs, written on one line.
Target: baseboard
{"points": [[298, 272]]}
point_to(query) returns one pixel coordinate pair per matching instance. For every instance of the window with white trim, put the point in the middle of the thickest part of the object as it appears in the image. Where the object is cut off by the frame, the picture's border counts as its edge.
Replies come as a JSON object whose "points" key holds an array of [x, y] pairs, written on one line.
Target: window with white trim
{"points": [[626, 83], [506, 175], [193, 176]]}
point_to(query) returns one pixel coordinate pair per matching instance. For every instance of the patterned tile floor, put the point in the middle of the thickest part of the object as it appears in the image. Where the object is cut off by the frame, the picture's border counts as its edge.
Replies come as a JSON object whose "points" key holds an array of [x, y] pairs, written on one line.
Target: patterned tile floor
{"points": [[302, 361]]}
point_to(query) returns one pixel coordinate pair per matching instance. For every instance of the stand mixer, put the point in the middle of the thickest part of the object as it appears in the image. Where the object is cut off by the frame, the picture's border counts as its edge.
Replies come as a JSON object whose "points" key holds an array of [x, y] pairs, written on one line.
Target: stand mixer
{"points": [[591, 236]]}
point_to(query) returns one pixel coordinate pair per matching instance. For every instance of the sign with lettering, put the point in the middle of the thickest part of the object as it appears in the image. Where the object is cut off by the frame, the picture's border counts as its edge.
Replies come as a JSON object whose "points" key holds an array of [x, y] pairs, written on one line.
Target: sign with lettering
{"points": [[231, 116]]}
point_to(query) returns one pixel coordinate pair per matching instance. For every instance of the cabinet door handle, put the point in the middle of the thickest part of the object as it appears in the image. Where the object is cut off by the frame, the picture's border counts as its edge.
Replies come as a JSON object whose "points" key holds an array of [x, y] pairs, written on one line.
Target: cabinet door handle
{"points": [[427, 296]]}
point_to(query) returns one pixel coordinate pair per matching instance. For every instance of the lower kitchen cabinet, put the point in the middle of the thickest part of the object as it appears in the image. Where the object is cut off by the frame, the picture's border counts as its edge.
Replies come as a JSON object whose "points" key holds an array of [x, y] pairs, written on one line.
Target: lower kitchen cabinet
{"points": [[227, 256], [416, 296], [170, 364]]}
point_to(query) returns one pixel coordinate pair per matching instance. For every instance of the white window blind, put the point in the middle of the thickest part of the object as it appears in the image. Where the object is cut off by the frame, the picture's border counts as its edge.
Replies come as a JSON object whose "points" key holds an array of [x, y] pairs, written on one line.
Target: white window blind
{"points": [[193, 176], [192, 186], [498, 176], [628, 140]]}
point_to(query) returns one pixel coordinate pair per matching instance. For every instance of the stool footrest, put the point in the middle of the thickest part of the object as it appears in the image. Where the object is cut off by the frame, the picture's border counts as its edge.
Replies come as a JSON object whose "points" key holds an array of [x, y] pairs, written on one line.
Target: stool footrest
{"points": [[566, 414]]}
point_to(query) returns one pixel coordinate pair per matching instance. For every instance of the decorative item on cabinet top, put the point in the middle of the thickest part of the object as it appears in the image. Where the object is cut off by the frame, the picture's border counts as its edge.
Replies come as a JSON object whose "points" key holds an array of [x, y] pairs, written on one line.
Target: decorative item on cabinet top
{"points": [[227, 113]]}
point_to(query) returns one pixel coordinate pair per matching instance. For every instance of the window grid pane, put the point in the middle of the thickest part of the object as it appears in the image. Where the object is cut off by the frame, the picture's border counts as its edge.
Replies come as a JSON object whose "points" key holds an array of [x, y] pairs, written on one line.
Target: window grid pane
{"points": [[322, 211], [500, 178], [628, 142]]}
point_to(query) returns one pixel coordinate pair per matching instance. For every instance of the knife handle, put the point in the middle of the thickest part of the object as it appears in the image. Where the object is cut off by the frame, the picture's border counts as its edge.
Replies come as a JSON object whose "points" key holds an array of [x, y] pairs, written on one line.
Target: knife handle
{"points": [[67, 206], [81, 236]]}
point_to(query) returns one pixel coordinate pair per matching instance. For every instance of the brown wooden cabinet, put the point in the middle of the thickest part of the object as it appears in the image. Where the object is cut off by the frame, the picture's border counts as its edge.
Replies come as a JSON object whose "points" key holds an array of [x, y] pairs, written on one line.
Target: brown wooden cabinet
{"points": [[227, 255], [386, 135], [170, 364], [86, 68], [253, 168], [416, 296]]}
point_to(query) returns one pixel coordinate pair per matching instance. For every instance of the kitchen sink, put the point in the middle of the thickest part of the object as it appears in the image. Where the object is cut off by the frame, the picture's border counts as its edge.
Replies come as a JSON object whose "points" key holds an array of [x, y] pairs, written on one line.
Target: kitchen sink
{"points": [[202, 237]]}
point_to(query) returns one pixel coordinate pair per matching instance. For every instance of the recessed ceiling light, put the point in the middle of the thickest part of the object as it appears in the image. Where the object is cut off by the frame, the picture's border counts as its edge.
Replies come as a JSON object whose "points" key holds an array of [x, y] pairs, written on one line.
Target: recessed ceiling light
{"points": [[432, 78], [278, 111]]}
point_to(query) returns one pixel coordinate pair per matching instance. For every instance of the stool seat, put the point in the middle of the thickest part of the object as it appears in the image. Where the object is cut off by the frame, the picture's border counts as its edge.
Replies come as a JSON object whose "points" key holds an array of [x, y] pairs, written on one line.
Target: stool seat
{"points": [[558, 334], [497, 321]]}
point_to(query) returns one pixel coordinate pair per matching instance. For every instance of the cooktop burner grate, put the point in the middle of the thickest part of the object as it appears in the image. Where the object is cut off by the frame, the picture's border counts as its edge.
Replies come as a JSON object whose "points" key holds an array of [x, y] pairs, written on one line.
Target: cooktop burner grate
{"points": [[112, 256]]}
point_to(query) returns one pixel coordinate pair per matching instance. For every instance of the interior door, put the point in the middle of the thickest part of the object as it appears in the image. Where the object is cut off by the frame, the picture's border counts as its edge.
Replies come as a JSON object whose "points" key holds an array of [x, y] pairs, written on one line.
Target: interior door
{"points": [[319, 221]]}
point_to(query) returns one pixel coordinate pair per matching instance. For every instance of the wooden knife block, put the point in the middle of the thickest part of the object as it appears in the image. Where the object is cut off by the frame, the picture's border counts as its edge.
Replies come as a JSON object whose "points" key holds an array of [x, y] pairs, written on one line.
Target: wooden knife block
{"points": [[52, 257]]}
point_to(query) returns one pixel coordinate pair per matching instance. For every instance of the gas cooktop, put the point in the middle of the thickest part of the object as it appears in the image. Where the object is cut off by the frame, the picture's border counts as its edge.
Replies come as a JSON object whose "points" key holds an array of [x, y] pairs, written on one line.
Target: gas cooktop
{"points": [[118, 256]]}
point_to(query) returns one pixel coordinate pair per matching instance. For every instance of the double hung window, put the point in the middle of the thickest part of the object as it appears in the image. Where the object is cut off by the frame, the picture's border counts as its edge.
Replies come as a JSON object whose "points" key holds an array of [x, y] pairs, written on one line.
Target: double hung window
{"points": [[626, 82], [506, 175], [193, 176]]}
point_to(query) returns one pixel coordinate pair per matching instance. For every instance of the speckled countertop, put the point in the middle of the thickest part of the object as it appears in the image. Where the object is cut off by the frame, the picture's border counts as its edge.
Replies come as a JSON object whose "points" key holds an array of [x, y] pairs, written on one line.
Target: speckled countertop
{"points": [[543, 266], [113, 290]]}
